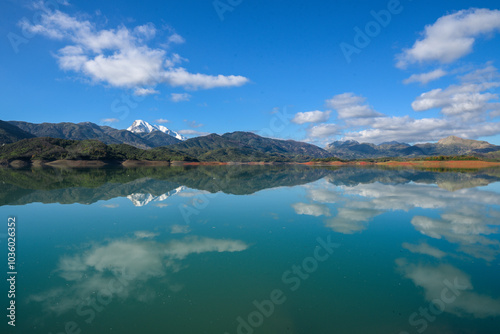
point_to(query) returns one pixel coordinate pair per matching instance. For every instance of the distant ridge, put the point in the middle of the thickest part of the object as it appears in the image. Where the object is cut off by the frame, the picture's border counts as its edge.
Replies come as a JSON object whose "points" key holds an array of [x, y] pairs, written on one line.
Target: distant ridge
{"points": [[10, 133], [451, 145]]}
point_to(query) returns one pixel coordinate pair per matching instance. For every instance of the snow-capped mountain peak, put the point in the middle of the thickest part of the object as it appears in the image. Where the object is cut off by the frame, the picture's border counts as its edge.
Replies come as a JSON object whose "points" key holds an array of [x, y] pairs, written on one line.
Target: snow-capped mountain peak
{"points": [[140, 126]]}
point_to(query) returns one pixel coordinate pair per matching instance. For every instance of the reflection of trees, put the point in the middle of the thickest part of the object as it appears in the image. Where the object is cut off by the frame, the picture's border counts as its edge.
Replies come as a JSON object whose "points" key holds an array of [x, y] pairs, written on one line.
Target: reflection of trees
{"points": [[53, 185], [50, 185]]}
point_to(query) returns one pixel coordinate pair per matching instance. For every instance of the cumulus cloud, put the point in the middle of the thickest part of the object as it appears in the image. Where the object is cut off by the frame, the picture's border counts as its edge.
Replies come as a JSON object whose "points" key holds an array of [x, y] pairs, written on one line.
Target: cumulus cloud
{"points": [[180, 229], [120, 268], [120, 57], [353, 218], [451, 37], [145, 91], [178, 97], [425, 78], [488, 73], [410, 130], [467, 110], [192, 132], [323, 195], [436, 279], [467, 100], [315, 210], [176, 39], [162, 121], [323, 130], [109, 120], [425, 249], [311, 117], [467, 219], [145, 234], [180, 77], [349, 105]]}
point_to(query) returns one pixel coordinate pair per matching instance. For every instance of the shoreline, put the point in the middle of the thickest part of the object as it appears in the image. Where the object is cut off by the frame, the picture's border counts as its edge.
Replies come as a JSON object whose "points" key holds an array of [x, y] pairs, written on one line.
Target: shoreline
{"points": [[452, 164]]}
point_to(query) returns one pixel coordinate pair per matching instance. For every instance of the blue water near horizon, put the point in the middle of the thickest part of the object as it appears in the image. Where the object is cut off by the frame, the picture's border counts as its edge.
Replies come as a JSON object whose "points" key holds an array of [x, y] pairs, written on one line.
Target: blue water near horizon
{"points": [[416, 253]]}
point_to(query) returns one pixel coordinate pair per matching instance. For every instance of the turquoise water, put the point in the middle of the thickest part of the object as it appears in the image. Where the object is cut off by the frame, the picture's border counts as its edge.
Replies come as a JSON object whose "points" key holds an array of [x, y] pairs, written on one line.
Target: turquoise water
{"points": [[253, 249]]}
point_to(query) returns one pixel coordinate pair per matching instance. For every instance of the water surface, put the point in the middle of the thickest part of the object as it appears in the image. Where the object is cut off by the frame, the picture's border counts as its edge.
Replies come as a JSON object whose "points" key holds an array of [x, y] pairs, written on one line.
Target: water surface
{"points": [[254, 249]]}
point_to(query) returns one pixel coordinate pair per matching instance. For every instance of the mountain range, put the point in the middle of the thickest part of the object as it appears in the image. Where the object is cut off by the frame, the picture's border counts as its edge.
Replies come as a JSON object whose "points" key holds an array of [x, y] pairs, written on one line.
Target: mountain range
{"points": [[158, 142], [105, 134], [452, 145]]}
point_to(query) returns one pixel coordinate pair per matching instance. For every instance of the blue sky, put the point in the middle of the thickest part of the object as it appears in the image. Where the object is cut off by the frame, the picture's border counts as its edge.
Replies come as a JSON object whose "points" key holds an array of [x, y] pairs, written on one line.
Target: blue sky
{"points": [[318, 71]]}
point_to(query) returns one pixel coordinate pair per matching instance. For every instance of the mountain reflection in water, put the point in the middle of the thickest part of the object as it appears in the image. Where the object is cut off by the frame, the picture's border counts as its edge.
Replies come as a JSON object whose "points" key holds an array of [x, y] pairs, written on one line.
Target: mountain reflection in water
{"points": [[195, 249]]}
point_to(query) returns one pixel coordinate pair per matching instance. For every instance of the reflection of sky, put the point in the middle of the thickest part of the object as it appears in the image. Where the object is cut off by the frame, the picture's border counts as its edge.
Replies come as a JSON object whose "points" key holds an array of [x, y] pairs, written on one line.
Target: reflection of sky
{"points": [[467, 218], [125, 261], [410, 233], [432, 279]]}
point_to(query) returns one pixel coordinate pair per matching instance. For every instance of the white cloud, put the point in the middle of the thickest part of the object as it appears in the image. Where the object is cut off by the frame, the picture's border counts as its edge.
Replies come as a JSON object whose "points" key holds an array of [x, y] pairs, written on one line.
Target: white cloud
{"points": [[194, 124], [315, 210], [425, 78], [311, 117], [323, 131], [193, 132], [410, 130], [178, 97], [433, 280], [162, 121], [110, 206], [145, 91], [352, 219], [145, 234], [120, 57], [110, 120], [488, 73], [176, 39], [180, 77], [424, 249], [466, 100], [451, 37], [323, 195], [467, 111], [129, 264], [467, 218], [349, 105], [183, 229]]}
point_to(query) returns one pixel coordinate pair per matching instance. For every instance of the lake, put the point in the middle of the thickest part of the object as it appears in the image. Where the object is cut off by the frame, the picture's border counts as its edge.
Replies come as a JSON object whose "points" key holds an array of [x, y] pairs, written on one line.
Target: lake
{"points": [[253, 249]]}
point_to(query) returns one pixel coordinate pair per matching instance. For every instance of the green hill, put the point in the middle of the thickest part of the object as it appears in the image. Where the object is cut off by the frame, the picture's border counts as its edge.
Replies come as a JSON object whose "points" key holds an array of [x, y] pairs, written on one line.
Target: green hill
{"points": [[49, 149]]}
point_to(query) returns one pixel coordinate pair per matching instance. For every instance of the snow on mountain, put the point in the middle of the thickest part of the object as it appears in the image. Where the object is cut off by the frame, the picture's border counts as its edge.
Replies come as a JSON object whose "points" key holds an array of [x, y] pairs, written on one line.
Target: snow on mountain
{"points": [[144, 199], [140, 126]]}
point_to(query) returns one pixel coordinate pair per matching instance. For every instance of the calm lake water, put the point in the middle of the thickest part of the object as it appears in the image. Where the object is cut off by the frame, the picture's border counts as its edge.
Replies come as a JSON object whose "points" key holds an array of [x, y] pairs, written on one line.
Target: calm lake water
{"points": [[253, 249]]}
